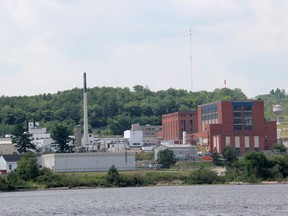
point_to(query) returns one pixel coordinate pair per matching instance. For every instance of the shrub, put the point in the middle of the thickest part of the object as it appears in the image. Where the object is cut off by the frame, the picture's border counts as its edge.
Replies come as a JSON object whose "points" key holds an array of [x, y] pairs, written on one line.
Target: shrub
{"points": [[27, 167], [202, 176]]}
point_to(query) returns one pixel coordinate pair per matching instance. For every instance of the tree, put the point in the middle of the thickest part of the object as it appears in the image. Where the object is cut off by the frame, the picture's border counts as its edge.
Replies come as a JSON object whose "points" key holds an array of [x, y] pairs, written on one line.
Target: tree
{"points": [[22, 139], [256, 164], [27, 167], [113, 176], [166, 158], [60, 134], [229, 154]]}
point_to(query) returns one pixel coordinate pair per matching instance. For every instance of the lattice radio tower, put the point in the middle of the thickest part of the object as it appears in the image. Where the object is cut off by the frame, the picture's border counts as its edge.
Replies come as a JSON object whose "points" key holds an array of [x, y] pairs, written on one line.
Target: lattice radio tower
{"points": [[190, 34]]}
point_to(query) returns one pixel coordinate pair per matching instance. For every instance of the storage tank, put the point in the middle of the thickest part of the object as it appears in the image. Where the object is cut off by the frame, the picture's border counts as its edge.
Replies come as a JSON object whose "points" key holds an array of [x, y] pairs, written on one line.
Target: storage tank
{"points": [[278, 110]]}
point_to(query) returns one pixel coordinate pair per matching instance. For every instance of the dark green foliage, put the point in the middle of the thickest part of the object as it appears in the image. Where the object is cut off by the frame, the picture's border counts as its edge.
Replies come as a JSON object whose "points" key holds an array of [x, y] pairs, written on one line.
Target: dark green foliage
{"points": [[229, 154], [166, 158], [113, 176], [113, 108], [60, 134], [27, 167], [3, 184], [257, 164], [202, 176], [22, 139], [216, 158]]}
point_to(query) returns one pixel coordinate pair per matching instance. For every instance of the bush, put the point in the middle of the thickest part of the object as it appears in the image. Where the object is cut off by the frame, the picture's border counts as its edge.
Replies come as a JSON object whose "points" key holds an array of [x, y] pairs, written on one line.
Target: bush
{"points": [[113, 176], [202, 176], [27, 167], [3, 184]]}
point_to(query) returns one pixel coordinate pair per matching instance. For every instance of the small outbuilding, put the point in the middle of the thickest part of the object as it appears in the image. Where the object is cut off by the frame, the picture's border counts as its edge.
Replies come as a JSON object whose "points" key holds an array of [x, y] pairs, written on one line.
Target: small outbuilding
{"points": [[181, 151], [8, 163]]}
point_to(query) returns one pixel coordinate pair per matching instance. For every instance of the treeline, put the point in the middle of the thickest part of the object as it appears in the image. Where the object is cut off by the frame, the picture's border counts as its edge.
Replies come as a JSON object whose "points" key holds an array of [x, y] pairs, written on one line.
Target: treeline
{"points": [[112, 110]]}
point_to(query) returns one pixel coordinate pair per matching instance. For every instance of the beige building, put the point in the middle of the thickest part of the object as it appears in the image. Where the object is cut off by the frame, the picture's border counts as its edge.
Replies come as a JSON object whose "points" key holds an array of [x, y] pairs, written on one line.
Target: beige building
{"points": [[6, 146]]}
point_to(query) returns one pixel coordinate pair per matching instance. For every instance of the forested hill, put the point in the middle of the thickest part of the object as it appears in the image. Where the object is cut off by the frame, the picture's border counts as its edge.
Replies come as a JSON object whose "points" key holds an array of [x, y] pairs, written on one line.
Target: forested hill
{"points": [[112, 110]]}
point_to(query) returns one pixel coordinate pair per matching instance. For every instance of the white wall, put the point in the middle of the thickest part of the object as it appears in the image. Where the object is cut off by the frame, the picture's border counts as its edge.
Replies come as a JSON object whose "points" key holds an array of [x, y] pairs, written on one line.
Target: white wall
{"points": [[88, 162], [8, 166], [134, 137]]}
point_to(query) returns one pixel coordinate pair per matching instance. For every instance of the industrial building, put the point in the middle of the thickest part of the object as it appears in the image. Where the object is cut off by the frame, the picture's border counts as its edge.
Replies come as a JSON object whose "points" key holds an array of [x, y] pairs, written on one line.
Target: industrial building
{"points": [[181, 151], [88, 162], [179, 123], [240, 124], [141, 135]]}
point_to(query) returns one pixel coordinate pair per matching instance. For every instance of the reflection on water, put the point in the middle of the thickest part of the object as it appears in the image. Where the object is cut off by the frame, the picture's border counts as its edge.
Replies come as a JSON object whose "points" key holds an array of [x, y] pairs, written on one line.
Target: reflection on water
{"points": [[220, 200]]}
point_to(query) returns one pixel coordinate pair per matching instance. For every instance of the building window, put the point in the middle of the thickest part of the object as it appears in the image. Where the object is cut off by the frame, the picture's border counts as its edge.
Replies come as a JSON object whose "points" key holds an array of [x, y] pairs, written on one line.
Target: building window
{"points": [[209, 114], [242, 115]]}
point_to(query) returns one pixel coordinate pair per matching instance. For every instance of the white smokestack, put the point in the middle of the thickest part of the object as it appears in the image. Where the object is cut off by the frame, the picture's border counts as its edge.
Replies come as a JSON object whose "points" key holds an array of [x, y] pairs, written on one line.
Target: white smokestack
{"points": [[85, 115]]}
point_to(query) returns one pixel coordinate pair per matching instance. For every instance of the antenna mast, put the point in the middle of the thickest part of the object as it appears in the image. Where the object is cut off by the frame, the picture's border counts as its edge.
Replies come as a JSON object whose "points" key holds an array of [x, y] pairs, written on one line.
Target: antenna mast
{"points": [[190, 33]]}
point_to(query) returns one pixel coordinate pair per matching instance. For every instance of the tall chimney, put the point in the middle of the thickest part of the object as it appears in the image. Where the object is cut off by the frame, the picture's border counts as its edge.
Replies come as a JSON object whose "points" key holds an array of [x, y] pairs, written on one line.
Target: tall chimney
{"points": [[85, 115]]}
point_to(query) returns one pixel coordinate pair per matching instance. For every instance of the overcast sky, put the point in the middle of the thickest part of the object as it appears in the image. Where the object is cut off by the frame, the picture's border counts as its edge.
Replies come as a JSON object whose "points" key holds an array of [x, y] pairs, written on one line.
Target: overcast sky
{"points": [[45, 46]]}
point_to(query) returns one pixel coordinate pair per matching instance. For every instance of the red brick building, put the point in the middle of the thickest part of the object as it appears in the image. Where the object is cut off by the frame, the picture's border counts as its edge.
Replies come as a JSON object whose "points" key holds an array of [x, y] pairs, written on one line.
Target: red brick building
{"points": [[240, 124], [174, 124]]}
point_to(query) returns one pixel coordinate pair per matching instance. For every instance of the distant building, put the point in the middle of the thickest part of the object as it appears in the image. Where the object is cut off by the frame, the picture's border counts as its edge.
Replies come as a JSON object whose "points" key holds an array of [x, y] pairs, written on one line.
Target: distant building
{"points": [[8, 163], [240, 124], [140, 135], [175, 124], [40, 138], [89, 162], [6, 146], [181, 151]]}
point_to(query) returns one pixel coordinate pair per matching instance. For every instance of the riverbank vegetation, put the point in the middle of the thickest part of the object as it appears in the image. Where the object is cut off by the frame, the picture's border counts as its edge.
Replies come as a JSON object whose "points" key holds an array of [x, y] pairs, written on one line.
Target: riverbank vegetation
{"points": [[255, 167]]}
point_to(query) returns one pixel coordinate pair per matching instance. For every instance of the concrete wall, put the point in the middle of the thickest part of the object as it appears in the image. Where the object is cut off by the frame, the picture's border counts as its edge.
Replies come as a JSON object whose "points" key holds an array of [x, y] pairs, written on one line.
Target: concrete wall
{"points": [[6, 146], [88, 162]]}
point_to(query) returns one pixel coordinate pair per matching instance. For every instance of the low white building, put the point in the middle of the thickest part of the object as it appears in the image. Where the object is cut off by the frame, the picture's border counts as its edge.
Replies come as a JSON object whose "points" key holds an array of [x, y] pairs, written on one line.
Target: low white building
{"points": [[89, 162], [8, 163], [181, 151]]}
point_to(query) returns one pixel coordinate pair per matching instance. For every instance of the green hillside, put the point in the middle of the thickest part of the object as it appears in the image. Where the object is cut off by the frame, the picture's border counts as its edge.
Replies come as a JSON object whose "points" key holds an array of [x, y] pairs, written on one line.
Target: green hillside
{"points": [[111, 110]]}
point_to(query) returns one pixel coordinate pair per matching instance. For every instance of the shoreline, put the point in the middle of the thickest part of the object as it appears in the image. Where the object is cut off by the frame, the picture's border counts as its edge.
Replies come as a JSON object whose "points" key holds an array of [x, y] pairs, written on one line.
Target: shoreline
{"points": [[166, 184]]}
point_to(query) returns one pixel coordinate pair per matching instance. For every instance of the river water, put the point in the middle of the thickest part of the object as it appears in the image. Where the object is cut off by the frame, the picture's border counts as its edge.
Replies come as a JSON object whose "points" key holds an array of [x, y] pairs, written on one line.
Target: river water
{"points": [[219, 200]]}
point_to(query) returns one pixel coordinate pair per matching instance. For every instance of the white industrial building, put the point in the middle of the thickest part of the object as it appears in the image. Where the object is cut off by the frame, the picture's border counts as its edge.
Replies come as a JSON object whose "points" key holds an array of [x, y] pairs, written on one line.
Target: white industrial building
{"points": [[181, 151], [134, 138], [89, 162], [40, 138], [140, 135]]}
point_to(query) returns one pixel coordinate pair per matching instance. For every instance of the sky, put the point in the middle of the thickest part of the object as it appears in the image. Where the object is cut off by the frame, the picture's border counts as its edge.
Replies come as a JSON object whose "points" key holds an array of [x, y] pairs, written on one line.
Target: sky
{"points": [[45, 46]]}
